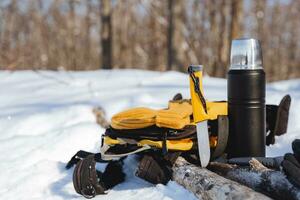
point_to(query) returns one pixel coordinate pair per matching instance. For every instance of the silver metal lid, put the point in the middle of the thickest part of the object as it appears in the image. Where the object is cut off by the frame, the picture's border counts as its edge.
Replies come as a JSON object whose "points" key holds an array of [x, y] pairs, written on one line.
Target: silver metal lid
{"points": [[246, 54], [196, 68]]}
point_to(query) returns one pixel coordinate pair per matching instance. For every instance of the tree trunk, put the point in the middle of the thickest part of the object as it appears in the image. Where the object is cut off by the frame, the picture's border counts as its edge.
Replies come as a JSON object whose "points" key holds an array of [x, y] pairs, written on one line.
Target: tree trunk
{"points": [[224, 43], [236, 19], [209, 185], [214, 39], [88, 25], [175, 35], [170, 35], [260, 13], [106, 34], [72, 43]]}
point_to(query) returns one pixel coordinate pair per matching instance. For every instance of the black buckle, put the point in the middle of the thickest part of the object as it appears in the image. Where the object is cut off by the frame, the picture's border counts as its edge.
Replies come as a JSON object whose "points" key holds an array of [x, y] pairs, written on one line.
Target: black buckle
{"points": [[89, 192]]}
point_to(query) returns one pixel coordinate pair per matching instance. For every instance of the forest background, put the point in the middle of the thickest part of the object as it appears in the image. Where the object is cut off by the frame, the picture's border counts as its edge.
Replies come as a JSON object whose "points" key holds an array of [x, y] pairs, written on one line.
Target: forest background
{"points": [[147, 34]]}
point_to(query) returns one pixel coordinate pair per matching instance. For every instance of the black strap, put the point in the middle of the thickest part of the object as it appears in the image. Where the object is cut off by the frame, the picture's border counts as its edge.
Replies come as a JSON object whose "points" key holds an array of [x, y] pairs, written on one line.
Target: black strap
{"points": [[81, 155], [152, 133], [197, 89], [90, 182], [164, 144], [85, 178], [222, 135]]}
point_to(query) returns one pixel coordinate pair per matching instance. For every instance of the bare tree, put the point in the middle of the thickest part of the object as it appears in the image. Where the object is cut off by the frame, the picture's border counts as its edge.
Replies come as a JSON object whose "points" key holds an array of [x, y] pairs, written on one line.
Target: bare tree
{"points": [[88, 25], [236, 30], [214, 33], [293, 27], [170, 34], [72, 32], [176, 51], [224, 43], [106, 33]]}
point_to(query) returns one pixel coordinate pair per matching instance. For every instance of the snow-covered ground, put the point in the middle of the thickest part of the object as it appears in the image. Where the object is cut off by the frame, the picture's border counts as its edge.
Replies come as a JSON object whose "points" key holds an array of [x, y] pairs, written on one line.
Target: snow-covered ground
{"points": [[47, 116]]}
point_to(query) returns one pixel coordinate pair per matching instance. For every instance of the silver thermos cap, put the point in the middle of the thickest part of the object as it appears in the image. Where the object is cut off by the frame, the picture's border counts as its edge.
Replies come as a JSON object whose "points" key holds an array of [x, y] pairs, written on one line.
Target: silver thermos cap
{"points": [[246, 54]]}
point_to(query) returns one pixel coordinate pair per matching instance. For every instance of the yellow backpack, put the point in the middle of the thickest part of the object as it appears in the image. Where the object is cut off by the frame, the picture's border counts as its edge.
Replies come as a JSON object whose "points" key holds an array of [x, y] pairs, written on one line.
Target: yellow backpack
{"points": [[173, 128], [144, 128]]}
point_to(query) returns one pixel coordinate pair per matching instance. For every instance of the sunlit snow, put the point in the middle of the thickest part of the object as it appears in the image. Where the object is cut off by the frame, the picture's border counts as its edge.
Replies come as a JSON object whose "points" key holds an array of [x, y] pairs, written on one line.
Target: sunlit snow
{"points": [[46, 117]]}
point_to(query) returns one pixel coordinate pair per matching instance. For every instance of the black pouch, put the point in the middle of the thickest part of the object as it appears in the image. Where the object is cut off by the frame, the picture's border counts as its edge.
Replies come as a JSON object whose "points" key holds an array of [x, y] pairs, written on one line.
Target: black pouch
{"points": [[156, 168], [89, 182], [85, 178], [277, 119]]}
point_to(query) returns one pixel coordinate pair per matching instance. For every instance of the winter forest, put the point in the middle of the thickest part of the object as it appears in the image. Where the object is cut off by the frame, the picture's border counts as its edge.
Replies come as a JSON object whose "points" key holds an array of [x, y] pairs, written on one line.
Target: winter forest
{"points": [[143, 34], [106, 99]]}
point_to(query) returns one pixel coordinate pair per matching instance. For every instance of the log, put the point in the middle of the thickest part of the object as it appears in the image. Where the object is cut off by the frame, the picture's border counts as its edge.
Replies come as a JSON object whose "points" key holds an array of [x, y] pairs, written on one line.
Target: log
{"points": [[209, 185], [261, 179], [255, 165]]}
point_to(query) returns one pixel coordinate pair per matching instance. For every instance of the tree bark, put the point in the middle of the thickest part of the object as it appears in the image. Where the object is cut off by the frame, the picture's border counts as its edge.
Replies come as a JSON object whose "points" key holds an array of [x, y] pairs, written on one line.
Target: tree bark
{"points": [[214, 39], [237, 17], [259, 178], [88, 25], [106, 34], [175, 40], [170, 35], [224, 43], [72, 43], [209, 185]]}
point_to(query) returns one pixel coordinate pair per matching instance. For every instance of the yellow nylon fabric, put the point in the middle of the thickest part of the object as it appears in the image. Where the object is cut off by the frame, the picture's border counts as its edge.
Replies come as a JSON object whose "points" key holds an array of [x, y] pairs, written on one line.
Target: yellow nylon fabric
{"points": [[176, 145], [216, 108], [110, 141], [176, 116], [179, 145], [134, 118]]}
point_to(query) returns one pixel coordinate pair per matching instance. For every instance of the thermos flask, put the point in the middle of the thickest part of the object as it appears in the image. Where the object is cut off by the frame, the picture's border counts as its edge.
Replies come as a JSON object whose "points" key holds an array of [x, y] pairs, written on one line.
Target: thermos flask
{"points": [[246, 100]]}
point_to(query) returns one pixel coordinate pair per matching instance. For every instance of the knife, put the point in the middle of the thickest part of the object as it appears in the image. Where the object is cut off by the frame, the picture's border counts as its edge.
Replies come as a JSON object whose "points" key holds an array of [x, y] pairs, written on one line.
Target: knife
{"points": [[199, 113]]}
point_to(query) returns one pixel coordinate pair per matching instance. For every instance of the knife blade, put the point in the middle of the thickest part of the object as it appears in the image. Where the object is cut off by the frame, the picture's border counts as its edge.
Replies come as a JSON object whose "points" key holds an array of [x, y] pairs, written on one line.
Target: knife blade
{"points": [[203, 143]]}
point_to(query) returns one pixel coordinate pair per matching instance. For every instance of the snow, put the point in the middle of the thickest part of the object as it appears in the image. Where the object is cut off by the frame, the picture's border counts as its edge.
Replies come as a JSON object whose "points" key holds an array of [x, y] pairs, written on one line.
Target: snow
{"points": [[46, 117]]}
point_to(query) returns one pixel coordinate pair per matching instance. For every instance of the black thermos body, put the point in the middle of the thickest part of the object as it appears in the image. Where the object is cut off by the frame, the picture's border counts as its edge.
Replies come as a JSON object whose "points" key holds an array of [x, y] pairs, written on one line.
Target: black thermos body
{"points": [[246, 100]]}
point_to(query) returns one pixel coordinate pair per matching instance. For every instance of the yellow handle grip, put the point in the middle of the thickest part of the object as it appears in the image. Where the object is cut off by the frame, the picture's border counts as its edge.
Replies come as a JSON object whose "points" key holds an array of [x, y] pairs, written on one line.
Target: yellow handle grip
{"points": [[199, 112]]}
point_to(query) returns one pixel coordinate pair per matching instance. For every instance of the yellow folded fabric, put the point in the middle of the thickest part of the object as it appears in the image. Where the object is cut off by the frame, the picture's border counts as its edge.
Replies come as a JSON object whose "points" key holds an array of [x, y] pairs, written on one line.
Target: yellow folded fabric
{"points": [[215, 108], [176, 116], [134, 118]]}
